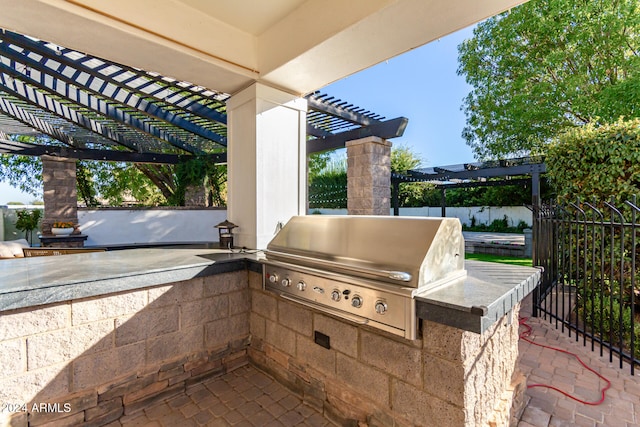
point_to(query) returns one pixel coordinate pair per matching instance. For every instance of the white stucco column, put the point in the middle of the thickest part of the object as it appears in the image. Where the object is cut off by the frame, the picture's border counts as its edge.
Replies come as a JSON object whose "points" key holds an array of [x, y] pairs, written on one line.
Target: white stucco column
{"points": [[266, 156]]}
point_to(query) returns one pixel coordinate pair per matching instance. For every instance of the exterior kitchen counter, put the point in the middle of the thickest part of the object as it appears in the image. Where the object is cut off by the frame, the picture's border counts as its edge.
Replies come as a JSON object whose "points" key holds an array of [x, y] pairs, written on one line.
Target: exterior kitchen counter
{"points": [[29, 282], [488, 293]]}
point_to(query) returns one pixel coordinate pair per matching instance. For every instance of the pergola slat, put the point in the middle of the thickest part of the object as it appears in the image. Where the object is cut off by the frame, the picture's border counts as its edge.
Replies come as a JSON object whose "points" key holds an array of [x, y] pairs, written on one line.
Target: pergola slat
{"points": [[89, 102]]}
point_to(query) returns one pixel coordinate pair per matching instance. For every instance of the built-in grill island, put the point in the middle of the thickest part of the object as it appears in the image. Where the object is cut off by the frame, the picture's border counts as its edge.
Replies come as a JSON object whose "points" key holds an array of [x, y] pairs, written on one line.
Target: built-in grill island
{"points": [[186, 316], [336, 318], [366, 269]]}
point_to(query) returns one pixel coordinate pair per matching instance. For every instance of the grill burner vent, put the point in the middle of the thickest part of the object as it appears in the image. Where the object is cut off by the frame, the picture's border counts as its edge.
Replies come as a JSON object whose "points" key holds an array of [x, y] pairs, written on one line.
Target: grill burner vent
{"points": [[365, 269]]}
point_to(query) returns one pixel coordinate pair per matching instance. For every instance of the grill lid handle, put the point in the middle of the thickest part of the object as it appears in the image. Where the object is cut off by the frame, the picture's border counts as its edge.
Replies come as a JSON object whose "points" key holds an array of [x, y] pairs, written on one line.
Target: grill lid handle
{"points": [[400, 276]]}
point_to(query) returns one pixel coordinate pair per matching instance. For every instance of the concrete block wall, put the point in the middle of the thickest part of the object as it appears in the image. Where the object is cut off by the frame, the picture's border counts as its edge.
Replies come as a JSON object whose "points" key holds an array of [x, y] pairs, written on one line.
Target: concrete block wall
{"points": [[94, 360], [447, 377]]}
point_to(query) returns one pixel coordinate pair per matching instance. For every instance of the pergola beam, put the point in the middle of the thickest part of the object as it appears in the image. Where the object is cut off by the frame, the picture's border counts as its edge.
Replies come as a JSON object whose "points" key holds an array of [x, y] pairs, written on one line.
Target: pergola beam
{"points": [[445, 175], [17, 113], [337, 110], [49, 78], [388, 129], [140, 110], [23, 149]]}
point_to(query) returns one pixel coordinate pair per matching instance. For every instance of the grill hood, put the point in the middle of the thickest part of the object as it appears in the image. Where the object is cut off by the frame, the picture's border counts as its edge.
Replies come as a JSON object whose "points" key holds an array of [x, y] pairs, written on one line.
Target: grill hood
{"points": [[414, 252]]}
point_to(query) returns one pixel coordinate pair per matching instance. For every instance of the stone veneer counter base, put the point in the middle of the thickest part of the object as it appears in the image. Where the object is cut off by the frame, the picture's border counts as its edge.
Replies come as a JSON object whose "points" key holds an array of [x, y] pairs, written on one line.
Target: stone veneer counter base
{"points": [[112, 332]]}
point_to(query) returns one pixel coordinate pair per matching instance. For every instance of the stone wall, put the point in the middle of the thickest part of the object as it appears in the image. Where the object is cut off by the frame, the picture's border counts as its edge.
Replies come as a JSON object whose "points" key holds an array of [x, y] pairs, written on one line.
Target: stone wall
{"points": [[94, 360], [60, 199], [368, 176], [448, 377]]}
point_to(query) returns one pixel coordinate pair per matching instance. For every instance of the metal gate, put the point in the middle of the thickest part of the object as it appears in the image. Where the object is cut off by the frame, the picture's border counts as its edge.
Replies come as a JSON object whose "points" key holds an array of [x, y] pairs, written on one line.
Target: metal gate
{"points": [[589, 285]]}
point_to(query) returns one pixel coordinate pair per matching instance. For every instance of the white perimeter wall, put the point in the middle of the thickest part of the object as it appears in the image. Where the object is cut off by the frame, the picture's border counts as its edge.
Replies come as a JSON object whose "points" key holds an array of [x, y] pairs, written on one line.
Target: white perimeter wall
{"points": [[166, 225], [131, 226], [483, 214]]}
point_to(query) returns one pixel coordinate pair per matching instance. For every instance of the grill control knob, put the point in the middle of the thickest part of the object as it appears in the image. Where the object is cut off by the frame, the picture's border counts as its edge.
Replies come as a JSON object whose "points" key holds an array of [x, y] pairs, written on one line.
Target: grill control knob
{"points": [[286, 282], [301, 285], [273, 277], [356, 301], [381, 307], [335, 295]]}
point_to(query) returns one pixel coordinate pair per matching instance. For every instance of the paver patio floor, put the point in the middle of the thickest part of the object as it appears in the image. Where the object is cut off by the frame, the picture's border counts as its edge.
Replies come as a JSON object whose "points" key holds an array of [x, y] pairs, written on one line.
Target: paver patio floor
{"points": [[546, 407], [245, 397]]}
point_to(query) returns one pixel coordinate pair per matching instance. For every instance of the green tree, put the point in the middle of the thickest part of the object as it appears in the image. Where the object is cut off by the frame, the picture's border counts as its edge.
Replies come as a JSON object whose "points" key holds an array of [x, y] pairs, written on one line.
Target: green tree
{"points": [[403, 159], [117, 182], [546, 66], [317, 162], [22, 172], [411, 194]]}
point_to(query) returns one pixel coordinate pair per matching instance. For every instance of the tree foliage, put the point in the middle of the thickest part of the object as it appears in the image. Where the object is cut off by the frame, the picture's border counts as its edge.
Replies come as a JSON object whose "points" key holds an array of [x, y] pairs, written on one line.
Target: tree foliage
{"points": [[316, 164], [116, 183], [597, 161], [403, 159], [200, 172], [22, 172], [546, 66]]}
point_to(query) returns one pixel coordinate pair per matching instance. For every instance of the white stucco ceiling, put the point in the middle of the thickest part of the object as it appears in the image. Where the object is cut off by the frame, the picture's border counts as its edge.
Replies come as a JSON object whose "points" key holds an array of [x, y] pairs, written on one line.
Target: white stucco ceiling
{"points": [[295, 45]]}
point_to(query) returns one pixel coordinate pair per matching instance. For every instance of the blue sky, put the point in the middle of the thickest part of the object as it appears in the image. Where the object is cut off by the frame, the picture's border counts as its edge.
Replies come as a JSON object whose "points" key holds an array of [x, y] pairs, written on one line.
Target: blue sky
{"points": [[421, 85]]}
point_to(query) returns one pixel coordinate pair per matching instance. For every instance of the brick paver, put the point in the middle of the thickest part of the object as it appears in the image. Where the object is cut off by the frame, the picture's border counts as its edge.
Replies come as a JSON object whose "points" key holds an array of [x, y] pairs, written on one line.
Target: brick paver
{"points": [[548, 408], [244, 397], [248, 397]]}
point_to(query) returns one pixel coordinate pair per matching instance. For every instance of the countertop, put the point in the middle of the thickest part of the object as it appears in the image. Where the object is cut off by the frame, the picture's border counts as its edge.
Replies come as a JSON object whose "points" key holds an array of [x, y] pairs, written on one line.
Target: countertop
{"points": [[27, 282], [488, 292]]}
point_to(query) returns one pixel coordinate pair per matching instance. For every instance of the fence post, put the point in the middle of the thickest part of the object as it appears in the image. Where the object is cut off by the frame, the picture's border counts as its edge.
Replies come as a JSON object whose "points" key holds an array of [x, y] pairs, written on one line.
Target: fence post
{"points": [[528, 242]]}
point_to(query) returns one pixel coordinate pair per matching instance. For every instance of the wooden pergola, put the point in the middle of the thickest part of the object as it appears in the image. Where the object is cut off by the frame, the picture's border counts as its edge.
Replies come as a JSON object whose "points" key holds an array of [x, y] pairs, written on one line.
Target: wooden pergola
{"points": [[95, 109], [517, 171]]}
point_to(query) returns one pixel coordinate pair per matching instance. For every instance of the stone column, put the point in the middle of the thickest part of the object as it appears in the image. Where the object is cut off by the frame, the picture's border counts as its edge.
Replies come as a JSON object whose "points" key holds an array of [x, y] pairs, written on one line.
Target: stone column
{"points": [[195, 196], [60, 199], [369, 176]]}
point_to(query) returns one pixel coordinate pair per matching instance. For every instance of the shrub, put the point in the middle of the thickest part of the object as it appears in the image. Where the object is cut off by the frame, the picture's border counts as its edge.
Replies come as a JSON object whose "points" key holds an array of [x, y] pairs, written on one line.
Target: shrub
{"points": [[28, 221], [596, 161], [616, 321]]}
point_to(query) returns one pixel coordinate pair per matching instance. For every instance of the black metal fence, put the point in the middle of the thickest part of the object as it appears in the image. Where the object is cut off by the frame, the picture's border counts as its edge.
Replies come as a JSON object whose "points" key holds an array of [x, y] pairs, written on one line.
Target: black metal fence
{"points": [[589, 287]]}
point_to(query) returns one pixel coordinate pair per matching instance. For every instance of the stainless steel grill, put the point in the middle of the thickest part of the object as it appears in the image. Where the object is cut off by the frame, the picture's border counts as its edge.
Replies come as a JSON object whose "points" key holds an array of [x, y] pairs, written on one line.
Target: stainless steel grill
{"points": [[366, 269]]}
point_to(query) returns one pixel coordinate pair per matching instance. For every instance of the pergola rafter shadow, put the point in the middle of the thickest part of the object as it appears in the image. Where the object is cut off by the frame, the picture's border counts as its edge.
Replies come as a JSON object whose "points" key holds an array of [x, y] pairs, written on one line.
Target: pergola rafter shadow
{"points": [[517, 171], [95, 109]]}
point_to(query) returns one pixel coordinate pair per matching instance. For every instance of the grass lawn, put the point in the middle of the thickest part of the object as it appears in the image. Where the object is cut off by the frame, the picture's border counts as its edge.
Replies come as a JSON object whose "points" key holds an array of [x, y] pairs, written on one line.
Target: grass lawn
{"points": [[501, 259]]}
